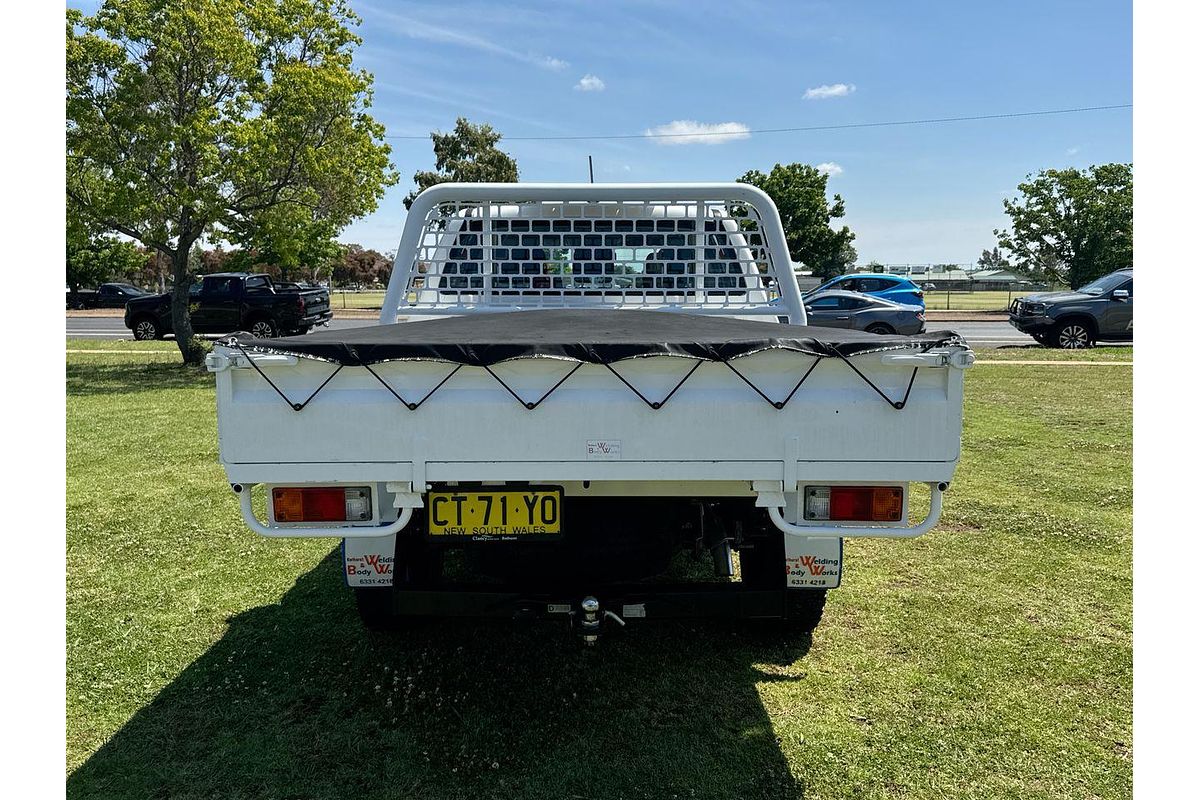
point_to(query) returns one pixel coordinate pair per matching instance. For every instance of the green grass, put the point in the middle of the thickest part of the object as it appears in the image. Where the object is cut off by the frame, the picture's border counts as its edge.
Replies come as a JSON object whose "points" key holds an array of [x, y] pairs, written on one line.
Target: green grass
{"points": [[369, 300], [991, 658], [1033, 352], [970, 301]]}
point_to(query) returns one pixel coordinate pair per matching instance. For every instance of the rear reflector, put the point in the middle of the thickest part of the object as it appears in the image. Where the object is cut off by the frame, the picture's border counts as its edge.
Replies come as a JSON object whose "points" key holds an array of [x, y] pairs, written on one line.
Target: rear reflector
{"points": [[857, 503], [321, 504]]}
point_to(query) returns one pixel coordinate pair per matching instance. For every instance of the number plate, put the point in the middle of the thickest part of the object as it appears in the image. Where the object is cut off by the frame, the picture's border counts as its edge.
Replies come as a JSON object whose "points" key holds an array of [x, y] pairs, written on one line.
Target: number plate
{"points": [[501, 514]]}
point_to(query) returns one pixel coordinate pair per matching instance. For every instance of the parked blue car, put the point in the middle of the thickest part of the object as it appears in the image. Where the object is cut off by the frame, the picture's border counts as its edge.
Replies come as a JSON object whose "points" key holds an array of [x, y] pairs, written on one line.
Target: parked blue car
{"points": [[889, 287]]}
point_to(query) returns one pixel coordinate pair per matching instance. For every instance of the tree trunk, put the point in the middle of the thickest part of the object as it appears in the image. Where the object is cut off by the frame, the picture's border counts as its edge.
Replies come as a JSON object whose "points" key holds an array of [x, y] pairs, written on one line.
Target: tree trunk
{"points": [[181, 319]]}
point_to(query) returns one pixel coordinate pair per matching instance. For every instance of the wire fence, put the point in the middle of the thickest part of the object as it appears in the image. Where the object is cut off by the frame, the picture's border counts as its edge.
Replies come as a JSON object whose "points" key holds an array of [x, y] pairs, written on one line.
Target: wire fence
{"points": [[948, 287]]}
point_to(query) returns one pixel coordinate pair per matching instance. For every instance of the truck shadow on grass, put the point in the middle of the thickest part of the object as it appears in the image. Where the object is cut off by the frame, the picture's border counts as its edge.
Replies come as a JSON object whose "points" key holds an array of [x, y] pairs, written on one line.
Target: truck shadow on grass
{"points": [[84, 378], [297, 701]]}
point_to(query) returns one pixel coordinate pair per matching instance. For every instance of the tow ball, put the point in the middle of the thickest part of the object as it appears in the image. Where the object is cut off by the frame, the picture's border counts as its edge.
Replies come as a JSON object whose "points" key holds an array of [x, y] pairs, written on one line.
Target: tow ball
{"points": [[591, 619]]}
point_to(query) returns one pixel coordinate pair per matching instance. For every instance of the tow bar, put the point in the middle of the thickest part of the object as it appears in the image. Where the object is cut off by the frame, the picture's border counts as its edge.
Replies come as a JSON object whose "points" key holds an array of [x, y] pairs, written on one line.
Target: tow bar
{"points": [[591, 619]]}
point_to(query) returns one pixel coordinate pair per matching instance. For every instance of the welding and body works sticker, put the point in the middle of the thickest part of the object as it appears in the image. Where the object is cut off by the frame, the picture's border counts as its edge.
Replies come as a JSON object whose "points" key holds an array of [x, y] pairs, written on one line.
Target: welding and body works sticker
{"points": [[603, 449], [813, 563], [369, 561]]}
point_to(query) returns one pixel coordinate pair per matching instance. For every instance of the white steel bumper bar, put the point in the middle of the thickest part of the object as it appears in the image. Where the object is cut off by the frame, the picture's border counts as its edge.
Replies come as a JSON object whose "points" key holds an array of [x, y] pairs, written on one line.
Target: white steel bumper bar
{"points": [[346, 532], [847, 531]]}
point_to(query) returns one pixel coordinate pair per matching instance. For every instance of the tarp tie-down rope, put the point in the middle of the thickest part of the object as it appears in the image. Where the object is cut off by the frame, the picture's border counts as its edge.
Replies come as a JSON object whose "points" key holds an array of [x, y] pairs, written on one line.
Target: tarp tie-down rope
{"points": [[896, 404], [295, 406], [532, 405], [778, 404], [654, 405], [411, 406]]}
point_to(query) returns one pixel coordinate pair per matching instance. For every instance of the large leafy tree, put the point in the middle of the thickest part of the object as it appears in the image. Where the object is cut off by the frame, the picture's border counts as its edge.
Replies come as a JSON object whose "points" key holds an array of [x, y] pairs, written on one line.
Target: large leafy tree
{"points": [[800, 193], [92, 260], [466, 154], [360, 266], [216, 118], [293, 241], [992, 259], [1072, 226]]}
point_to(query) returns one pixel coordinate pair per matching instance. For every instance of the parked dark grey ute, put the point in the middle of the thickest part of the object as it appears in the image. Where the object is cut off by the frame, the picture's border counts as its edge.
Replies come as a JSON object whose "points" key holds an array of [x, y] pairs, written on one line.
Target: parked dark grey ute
{"points": [[837, 309], [1099, 311]]}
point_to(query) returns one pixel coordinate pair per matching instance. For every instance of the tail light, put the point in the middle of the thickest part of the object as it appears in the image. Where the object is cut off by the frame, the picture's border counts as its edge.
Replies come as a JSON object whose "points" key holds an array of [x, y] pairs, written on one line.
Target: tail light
{"points": [[856, 503], [920, 293], [321, 504], [300, 302], [921, 316]]}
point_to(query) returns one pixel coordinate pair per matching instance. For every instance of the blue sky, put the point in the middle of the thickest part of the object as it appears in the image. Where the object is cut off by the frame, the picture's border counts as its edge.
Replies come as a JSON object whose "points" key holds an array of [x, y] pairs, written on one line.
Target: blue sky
{"points": [[929, 193]]}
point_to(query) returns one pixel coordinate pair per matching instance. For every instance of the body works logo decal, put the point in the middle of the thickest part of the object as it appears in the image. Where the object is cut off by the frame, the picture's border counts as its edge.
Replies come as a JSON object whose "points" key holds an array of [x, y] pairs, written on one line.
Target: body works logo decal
{"points": [[370, 564], [810, 563]]}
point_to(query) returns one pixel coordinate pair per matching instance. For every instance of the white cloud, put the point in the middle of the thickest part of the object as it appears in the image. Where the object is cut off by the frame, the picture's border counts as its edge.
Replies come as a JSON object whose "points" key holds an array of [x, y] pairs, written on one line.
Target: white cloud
{"points": [[689, 131], [590, 83], [1071, 151], [830, 168], [827, 91], [556, 64]]}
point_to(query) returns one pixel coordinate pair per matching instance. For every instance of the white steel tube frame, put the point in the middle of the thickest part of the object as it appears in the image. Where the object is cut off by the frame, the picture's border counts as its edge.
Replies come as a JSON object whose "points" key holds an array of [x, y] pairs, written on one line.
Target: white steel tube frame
{"points": [[847, 531], [490, 193], [304, 532]]}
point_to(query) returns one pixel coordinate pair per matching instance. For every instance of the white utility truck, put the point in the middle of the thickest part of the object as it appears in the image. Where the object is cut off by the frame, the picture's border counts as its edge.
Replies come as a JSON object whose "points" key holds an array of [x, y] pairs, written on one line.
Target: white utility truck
{"points": [[591, 382]]}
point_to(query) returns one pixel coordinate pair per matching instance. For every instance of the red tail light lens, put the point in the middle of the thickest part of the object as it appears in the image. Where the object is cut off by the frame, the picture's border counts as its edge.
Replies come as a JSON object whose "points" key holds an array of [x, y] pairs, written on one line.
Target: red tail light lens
{"points": [[321, 504], [854, 503], [300, 303]]}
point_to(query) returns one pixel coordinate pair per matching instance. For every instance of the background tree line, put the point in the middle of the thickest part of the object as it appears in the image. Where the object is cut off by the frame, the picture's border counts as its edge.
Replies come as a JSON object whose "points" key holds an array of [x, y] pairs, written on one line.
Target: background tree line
{"points": [[245, 122], [106, 259], [1068, 226]]}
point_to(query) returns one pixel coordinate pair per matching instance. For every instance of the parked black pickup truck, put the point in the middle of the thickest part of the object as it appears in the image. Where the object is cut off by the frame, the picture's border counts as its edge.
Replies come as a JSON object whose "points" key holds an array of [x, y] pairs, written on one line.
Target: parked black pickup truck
{"points": [[233, 301], [109, 295], [1100, 311]]}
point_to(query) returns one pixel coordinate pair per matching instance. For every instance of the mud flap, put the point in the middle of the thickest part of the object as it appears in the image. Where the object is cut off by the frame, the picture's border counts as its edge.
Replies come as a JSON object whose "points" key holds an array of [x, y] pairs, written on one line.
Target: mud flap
{"points": [[368, 561], [813, 563]]}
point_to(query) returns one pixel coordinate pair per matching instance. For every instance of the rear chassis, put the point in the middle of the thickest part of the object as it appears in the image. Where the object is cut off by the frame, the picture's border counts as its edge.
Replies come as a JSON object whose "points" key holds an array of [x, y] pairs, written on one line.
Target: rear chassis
{"points": [[621, 571]]}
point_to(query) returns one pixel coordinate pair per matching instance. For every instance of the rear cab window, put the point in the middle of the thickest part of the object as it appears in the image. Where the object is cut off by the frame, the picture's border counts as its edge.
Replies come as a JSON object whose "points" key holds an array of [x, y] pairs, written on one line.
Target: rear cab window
{"points": [[221, 287]]}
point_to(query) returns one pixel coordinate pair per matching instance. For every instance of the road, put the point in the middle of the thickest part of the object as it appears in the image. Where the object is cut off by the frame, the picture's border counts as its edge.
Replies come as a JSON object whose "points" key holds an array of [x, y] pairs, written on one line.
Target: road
{"points": [[978, 334]]}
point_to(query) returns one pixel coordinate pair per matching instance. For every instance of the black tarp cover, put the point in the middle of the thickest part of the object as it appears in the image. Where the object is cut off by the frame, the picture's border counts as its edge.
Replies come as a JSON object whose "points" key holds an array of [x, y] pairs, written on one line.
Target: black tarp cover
{"points": [[597, 336]]}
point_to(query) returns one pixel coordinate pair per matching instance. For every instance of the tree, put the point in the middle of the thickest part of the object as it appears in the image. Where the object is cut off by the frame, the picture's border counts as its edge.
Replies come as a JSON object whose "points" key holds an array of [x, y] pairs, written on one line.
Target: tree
{"points": [[359, 266], [468, 154], [293, 241], [1072, 226], [799, 192], [101, 259], [991, 259], [190, 119]]}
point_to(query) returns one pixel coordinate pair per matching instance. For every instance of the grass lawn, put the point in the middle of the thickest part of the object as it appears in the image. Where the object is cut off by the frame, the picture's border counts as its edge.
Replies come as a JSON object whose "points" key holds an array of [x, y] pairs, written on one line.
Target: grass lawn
{"points": [[1104, 353], [991, 658], [371, 300], [971, 301]]}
